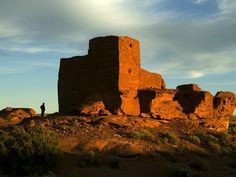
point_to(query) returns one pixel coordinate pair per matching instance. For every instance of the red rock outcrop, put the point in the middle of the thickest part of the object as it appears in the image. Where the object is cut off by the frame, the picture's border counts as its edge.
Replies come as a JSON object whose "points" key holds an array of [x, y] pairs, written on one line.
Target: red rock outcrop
{"points": [[17, 114], [110, 80], [94, 108]]}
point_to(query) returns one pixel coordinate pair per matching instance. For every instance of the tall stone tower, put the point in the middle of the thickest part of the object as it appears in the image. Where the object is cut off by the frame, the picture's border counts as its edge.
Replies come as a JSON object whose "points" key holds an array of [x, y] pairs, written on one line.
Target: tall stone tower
{"points": [[109, 73]]}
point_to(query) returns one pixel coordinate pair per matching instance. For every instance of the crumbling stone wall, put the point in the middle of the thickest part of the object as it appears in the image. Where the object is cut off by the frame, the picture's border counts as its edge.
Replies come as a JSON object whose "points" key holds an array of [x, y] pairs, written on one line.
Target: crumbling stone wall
{"points": [[150, 80], [189, 102], [109, 73], [110, 80]]}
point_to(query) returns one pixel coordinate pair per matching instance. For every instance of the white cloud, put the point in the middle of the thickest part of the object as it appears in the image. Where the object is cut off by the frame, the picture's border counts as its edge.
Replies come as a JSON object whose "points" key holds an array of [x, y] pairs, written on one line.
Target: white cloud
{"points": [[199, 1], [8, 30]]}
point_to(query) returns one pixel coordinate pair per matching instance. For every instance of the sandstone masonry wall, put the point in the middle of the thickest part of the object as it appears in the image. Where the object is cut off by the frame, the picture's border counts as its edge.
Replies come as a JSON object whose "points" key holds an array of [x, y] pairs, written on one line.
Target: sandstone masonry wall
{"points": [[109, 73]]}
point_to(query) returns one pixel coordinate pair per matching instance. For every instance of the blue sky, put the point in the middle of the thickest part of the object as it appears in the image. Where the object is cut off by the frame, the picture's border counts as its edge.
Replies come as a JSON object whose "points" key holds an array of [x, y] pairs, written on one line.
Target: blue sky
{"points": [[187, 41]]}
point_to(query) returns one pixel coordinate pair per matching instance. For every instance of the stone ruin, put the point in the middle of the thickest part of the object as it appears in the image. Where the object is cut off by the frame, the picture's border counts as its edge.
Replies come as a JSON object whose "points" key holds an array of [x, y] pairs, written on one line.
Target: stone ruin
{"points": [[109, 80]]}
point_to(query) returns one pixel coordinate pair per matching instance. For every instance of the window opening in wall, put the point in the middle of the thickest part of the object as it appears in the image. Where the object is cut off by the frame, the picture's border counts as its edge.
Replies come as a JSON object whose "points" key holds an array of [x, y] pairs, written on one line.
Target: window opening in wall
{"points": [[130, 70]]}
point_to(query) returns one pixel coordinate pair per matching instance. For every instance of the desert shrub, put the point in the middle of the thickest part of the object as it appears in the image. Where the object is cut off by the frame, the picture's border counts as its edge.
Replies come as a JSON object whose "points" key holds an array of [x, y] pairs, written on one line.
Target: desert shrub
{"points": [[224, 138], [232, 129], [172, 157], [142, 134], [91, 158], [184, 149], [170, 137], [26, 152], [214, 146], [232, 126], [181, 171], [202, 154], [95, 159], [194, 139], [206, 138], [113, 162], [226, 150]]}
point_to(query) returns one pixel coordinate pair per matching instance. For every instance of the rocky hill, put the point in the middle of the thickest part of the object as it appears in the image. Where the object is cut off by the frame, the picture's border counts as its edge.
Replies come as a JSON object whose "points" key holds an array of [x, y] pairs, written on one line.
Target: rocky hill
{"points": [[127, 145]]}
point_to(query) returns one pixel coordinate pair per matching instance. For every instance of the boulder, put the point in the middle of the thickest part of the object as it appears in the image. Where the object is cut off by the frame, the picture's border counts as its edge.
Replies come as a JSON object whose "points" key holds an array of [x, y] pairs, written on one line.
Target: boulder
{"points": [[94, 145], [17, 113], [94, 108], [125, 150]]}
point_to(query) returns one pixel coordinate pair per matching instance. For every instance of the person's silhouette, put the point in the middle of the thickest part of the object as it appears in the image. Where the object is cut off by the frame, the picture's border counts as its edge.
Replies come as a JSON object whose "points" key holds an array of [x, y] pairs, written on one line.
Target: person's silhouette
{"points": [[42, 107]]}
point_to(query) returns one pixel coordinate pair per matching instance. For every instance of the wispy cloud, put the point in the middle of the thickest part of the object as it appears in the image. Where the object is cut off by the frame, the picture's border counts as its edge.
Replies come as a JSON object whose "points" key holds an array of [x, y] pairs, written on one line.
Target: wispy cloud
{"points": [[17, 67], [199, 1], [190, 47], [33, 50], [10, 70], [9, 30]]}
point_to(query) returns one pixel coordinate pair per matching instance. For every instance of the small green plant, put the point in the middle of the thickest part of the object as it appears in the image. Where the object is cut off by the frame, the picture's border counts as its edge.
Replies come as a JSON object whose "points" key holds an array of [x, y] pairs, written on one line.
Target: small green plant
{"points": [[214, 147], [170, 137], [194, 139], [232, 128], [209, 141], [184, 149], [224, 138], [205, 138], [91, 158], [28, 151], [226, 150], [141, 134]]}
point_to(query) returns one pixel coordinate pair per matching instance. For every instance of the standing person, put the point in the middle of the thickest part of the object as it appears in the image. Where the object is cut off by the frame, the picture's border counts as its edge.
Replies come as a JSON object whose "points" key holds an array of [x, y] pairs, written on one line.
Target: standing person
{"points": [[42, 107]]}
